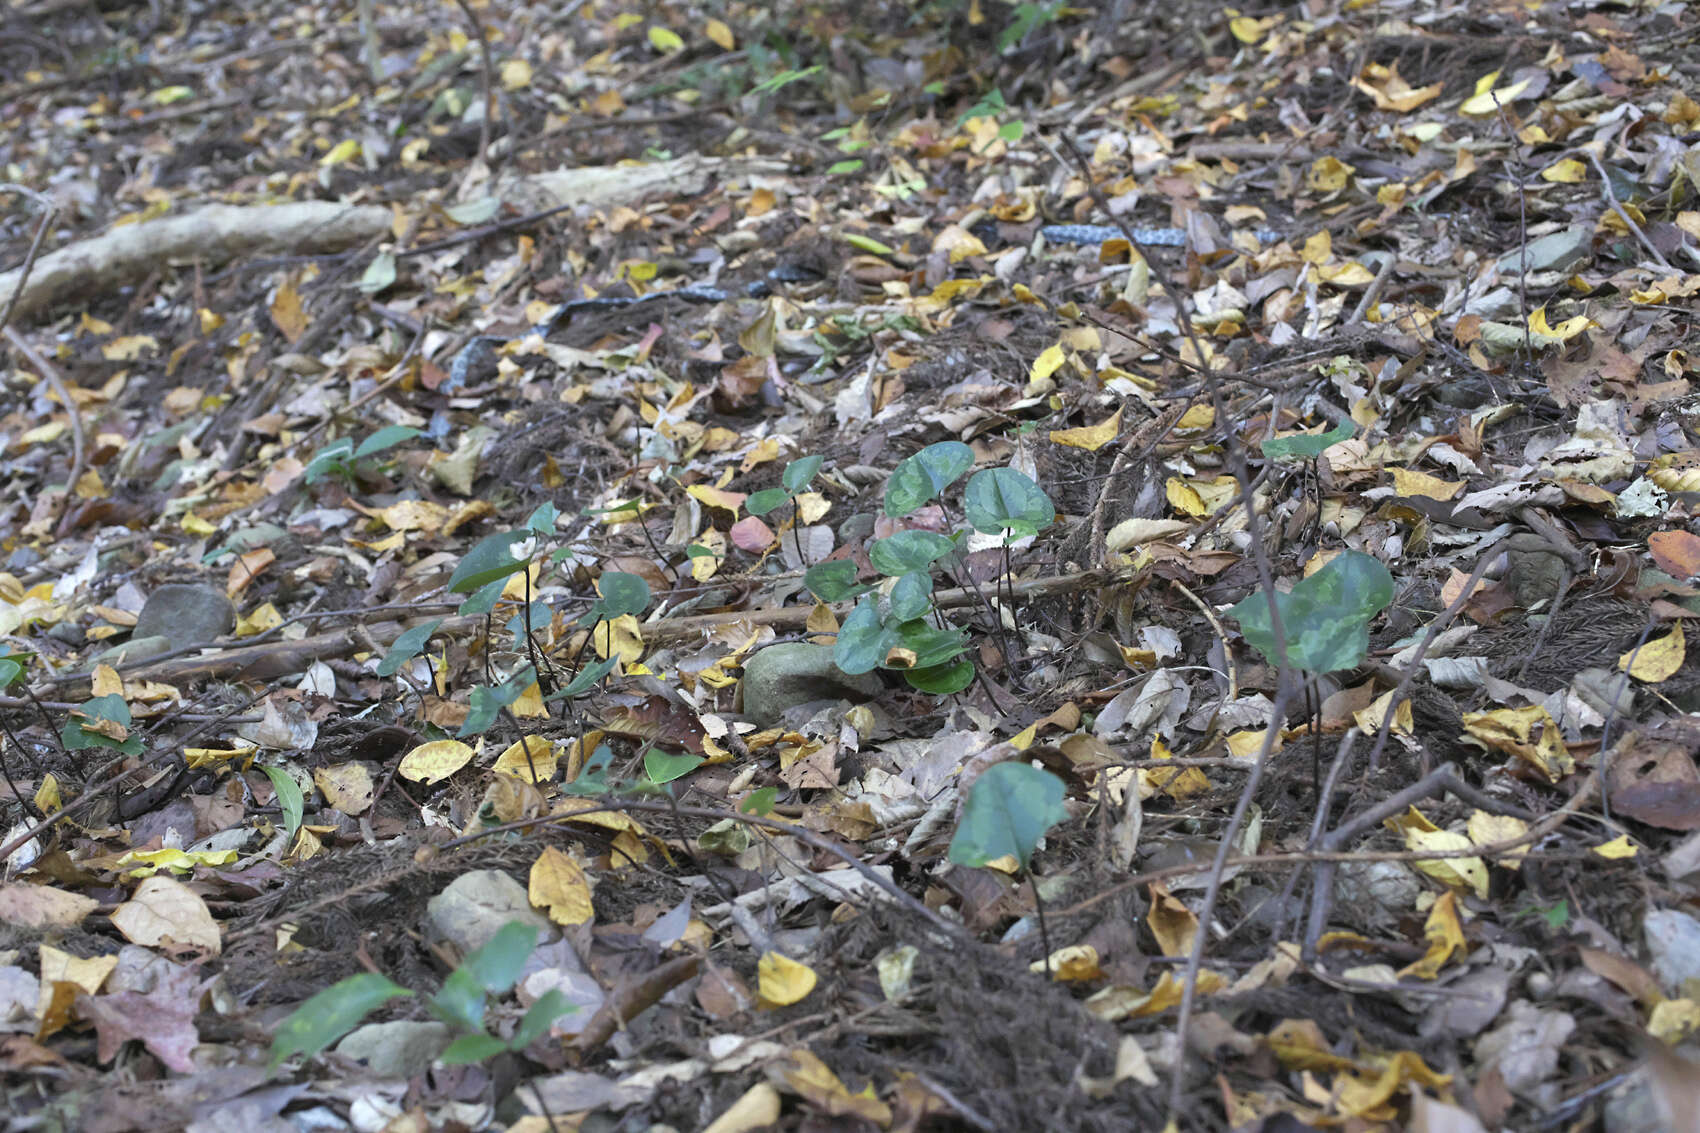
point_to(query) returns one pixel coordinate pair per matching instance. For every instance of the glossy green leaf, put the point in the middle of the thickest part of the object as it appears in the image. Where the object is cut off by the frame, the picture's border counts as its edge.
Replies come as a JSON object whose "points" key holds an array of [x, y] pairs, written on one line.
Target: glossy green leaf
{"points": [[333, 458], [468, 1049], [593, 778], [662, 767], [491, 559], [942, 680], [406, 647], [919, 479], [542, 518], [863, 640], [760, 802], [999, 500], [622, 594], [833, 581], [1009, 808], [1305, 446], [289, 799], [912, 596], [1325, 618], [330, 1014], [799, 472], [909, 551], [551, 1005], [386, 438], [485, 703], [10, 671], [496, 964], [931, 644], [484, 599], [586, 678], [460, 1001], [764, 501]]}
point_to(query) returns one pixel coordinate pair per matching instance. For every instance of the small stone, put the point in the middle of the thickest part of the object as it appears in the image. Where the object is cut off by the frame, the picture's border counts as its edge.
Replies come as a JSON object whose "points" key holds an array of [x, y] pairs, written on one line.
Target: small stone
{"points": [[399, 1049], [1673, 939], [134, 650], [784, 676], [185, 613], [474, 907]]}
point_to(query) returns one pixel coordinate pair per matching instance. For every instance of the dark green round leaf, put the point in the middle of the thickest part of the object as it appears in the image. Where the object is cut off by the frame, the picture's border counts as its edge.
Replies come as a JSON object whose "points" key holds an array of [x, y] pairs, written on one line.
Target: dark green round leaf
{"points": [[909, 550], [863, 640], [919, 479], [998, 500], [799, 472], [833, 581], [586, 677], [912, 596], [1009, 808], [622, 593], [542, 519], [468, 1049], [930, 644], [483, 600], [764, 501], [491, 558], [1325, 618], [942, 680], [330, 1014]]}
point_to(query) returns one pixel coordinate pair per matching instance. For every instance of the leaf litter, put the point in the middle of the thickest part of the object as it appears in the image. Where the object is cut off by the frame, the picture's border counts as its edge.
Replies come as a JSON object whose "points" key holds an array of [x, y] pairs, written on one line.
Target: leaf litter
{"points": [[420, 427]]}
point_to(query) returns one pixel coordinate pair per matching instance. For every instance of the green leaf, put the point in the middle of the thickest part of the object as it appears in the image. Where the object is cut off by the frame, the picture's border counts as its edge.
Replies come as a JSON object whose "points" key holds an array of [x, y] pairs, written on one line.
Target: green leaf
{"points": [[387, 437], [1325, 618], [110, 708], [329, 1015], [912, 596], [909, 551], [931, 644], [942, 680], [799, 472], [586, 677], [764, 501], [333, 458], [919, 479], [551, 1005], [289, 799], [865, 243], [486, 703], [863, 640], [497, 964], [379, 274], [998, 500], [542, 519], [833, 581], [472, 1048], [664, 768], [1305, 446], [406, 647], [760, 802], [593, 778], [1009, 808], [10, 671], [622, 593], [484, 599], [839, 168], [460, 1002], [492, 558]]}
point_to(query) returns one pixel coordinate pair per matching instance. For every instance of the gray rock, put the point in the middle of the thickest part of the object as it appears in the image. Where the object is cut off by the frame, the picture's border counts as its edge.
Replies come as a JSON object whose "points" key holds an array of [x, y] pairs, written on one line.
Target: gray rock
{"points": [[784, 676], [1563, 250], [1673, 939], [397, 1050], [474, 907], [186, 613], [134, 650]]}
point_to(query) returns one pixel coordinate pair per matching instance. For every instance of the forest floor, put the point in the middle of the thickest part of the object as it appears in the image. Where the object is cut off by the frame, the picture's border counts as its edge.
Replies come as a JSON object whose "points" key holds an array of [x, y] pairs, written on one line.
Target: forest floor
{"points": [[635, 566]]}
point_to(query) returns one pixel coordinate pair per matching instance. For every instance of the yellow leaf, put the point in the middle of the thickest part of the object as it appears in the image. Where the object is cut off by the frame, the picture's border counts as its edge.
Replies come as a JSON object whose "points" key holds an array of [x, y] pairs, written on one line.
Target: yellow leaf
{"points": [[47, 798], [514, 761], [1529, 733], [720, 35], [1329, 175], [1488, 101], [620, 637], [1248, 29], [1656, 660], [1047, 363], [1172, 923], [1619, 847], [1563, 332], [1673, 1020], [1410, 482], [558, 884], [342, 153], [716, 497], [1461, 872], [129, 347], [165, 911], [347, 787], [1196, 418], [262, 618], [516, 74], [146, 863], [782, 980], [1090, 437], [664, 39], [1074, 963], [1487, 829], [434, 761], [1569, 171], [1445, 936]]}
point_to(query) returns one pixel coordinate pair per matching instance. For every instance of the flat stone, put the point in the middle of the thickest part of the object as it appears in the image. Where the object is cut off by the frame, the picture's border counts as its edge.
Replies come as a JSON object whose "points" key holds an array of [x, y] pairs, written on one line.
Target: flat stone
{"points": [[398, 1049], [185, 613], [474, 906], [784, 676], [136, 649], [1673, 939]]}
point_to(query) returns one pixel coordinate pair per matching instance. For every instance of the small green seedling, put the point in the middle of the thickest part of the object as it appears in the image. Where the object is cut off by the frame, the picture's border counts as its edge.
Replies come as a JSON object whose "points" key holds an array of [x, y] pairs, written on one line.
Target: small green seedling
{"points": [[1324, 618], [101, 722], [1010, 808], [345, 461], [796, 478], [492, 969]]}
